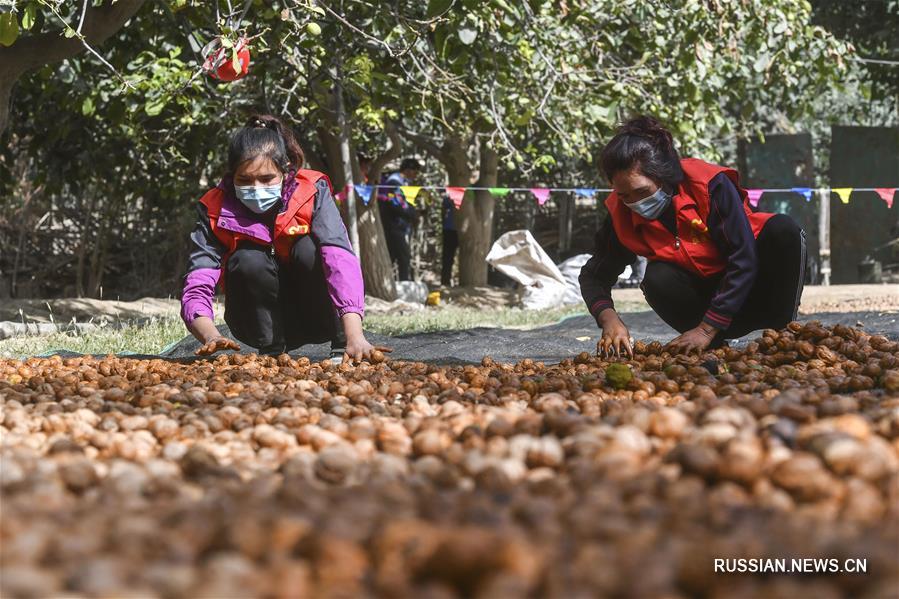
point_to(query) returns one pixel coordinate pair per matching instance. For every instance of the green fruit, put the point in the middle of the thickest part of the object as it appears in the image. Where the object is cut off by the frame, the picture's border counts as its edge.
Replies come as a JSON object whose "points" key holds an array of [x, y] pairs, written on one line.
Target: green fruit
{"points": [[9, 29], [619, 375], [313, 29]]}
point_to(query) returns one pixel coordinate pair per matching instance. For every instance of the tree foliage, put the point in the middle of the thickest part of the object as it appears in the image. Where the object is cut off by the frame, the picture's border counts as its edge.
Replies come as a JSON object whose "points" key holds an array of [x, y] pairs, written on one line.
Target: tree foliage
{"points": [[121, 140]]}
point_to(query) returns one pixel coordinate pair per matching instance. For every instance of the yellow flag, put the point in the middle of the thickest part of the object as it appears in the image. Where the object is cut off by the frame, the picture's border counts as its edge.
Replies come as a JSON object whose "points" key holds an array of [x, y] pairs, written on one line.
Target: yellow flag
{"points": [[843, 193], [409, 192]]}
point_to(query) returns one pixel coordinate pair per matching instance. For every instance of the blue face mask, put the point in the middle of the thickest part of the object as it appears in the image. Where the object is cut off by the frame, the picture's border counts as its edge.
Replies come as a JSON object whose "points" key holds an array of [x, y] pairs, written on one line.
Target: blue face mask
{"points": [[259, 199], [653, 206]]}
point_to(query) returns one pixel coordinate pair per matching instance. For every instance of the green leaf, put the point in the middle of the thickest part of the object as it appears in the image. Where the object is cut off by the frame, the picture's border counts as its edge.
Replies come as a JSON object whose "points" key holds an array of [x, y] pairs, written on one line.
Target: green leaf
{"points": [[437, 7], [154, 106], [235, 60], [29, 16], [87, 107], [9, 29]]}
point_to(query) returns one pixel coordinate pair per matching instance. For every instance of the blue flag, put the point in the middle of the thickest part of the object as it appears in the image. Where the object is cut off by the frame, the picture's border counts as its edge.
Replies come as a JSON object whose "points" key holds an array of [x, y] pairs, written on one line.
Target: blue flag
{"points": [[805, 191], [585, 192], [364, 192]]}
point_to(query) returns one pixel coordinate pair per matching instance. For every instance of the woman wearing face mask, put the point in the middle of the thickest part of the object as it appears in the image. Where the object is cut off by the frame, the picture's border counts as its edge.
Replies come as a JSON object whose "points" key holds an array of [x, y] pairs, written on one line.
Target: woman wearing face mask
{"points": [[717, 270], [271, 237]]}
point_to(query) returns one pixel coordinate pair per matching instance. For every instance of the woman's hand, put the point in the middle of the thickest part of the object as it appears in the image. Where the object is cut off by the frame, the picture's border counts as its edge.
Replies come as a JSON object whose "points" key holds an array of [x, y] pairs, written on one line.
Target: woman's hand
{"points": [[358, 349], [217, 343], [614, 335], [695, 340]]}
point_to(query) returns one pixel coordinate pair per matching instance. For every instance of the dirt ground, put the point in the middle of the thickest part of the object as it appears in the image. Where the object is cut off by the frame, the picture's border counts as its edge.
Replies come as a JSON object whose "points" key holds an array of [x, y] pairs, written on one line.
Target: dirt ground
{"points": [[837, 298]]}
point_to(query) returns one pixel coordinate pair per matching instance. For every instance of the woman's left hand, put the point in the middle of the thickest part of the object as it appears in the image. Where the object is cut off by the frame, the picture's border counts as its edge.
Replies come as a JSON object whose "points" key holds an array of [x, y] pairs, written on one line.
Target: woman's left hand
{"points": [[694, 340], [358, 349]]}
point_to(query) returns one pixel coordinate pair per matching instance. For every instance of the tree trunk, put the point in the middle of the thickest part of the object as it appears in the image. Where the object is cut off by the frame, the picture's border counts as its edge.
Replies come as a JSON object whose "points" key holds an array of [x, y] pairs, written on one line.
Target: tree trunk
{"points": [[6, 82], [377, 269], [476, 223], [33, 51]]}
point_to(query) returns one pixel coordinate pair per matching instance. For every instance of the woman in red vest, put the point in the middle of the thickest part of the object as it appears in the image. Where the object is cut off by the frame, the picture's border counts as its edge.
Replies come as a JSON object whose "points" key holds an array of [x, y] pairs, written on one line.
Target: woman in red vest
{"points": [[271, 237], [717, 270]]}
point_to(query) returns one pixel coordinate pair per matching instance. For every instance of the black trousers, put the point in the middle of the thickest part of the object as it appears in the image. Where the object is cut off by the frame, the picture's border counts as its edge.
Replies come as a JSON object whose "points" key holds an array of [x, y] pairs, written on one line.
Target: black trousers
{"points": [[274, 306], [450, 245], [400, 254], [681, 298]]}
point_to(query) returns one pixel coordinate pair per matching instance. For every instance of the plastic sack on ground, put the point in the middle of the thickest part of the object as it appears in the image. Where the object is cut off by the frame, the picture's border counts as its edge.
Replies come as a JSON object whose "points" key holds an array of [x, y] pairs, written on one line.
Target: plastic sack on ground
{"points": [[517, 255], [414, 292], [571, 270]]}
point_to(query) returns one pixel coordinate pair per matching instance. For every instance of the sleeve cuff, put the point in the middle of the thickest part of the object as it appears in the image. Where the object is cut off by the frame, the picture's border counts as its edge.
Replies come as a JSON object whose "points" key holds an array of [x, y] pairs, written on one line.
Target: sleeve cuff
{"points": [[719, 321], [600, 305], [351, 309]]}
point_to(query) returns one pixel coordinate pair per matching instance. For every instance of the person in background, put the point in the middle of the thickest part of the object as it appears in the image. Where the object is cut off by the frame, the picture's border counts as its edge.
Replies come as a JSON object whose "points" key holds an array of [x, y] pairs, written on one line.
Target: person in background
{"points": [[270, 236], [450, 242], [717, 270], [398, 216]]}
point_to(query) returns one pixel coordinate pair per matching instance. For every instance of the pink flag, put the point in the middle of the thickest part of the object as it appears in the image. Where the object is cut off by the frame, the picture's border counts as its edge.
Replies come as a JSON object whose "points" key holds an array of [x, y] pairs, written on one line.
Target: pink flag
{"points": [[456, 194], [340, 196], [541, 193], [754, 196], [886, 194]]}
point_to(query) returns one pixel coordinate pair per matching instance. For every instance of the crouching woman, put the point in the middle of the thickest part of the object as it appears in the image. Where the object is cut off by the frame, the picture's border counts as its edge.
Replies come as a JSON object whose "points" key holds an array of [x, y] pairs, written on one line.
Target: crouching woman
{"points": [[270, 236]]}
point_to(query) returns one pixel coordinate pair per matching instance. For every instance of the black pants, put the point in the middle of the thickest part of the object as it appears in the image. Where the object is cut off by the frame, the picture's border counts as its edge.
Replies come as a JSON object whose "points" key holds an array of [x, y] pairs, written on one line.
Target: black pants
{"points": [[400, 254], [274, 306], [450, 245], [681, 298]]}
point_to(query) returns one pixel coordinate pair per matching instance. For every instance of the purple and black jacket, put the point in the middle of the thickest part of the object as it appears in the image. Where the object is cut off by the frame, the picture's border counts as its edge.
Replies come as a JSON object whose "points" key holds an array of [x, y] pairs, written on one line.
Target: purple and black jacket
{"points": [[343, 273]]}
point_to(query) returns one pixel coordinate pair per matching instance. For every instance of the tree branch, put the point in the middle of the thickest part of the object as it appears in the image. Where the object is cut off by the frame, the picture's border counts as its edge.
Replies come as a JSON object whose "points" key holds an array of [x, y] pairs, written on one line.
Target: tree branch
{"points": [[426, 144], [390, 153], [99, 24]]}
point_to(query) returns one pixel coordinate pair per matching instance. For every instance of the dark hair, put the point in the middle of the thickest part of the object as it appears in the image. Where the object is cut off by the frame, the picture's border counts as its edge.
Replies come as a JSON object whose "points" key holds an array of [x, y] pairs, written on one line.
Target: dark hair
{"points": [[643, 142], [265, 135], [410, 164]]}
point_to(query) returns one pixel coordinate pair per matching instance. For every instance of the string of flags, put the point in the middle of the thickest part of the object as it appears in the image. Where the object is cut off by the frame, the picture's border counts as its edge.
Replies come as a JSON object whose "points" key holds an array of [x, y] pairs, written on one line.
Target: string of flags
{"points": [[542, 194]]}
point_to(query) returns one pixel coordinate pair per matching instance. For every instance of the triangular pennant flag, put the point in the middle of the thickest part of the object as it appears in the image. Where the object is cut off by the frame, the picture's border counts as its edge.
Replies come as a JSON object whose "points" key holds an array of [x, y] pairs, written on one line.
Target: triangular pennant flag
{"points": [[805, 191], [754, 196], [843, 193], [409, 192], [585, 192], [456, 194], [364, 192], [541, 193], [886, 194], [499, 191], [340, 196]]}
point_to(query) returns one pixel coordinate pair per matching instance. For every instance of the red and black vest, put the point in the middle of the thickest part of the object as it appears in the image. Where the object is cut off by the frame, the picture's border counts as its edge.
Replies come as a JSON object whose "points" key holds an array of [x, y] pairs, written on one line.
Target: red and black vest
{"points": [[290, 224], [692, 247]]}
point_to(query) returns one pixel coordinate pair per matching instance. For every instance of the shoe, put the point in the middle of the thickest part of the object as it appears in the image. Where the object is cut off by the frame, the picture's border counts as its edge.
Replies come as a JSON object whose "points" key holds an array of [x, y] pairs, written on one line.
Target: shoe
{"points": [[271, 350]]}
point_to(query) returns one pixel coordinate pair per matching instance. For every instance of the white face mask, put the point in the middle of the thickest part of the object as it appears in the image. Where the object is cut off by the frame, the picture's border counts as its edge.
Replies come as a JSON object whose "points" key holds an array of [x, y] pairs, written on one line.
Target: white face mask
{"points": [[651, 207]]}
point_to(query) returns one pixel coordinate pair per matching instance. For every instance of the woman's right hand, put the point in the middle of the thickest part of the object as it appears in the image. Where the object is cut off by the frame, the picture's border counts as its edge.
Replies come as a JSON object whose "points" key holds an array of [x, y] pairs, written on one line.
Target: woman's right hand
{"points": [[217, 343], [614, 335]]}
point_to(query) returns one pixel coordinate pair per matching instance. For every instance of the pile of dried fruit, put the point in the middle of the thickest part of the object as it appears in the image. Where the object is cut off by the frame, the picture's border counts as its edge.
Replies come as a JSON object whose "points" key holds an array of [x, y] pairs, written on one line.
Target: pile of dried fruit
{"points": [[248, 476]]}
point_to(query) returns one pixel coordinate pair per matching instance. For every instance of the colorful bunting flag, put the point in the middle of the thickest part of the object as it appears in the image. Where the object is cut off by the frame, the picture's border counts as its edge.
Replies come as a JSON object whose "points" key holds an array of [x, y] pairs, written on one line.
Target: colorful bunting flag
{"points": [[364, 192], [456, 194], [843, 193], [804, 191], [409, 192], [585, 192], [886, 194], [499, 191], [754, 196], [541, 193], [340, 196]]}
